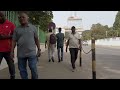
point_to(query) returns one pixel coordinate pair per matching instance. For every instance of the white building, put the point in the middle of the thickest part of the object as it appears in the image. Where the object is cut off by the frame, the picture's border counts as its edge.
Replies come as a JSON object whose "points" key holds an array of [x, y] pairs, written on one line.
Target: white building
{"points": [[74, 21]]}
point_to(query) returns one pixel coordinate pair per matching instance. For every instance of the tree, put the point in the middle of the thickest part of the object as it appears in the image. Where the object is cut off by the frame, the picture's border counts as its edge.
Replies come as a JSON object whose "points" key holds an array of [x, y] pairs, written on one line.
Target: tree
{"points": [[42, 18], [98, 31], [116, 25], [86, 35]]}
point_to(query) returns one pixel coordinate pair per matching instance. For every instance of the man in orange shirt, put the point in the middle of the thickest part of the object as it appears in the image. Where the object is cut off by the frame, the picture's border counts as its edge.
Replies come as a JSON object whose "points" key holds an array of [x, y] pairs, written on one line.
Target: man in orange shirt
{"points": [[6, 32]]}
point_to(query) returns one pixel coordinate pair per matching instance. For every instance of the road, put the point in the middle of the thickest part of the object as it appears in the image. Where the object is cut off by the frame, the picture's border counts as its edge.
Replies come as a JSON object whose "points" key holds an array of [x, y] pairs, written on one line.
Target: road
{"points": [[107, 61]]}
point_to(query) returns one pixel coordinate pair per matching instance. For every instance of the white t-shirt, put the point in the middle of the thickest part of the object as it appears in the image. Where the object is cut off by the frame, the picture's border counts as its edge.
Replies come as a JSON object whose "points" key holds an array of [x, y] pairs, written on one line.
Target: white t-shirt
{"points": [[74, 40]]}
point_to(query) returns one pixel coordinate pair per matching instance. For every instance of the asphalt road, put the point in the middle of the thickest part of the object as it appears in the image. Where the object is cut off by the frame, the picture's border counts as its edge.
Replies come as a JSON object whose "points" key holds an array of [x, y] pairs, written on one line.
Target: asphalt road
{"points": [[107, 61]]}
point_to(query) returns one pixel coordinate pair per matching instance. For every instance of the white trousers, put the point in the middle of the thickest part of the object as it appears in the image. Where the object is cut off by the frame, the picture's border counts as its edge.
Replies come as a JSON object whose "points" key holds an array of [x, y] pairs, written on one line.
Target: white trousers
{"points": [[51, 51]]}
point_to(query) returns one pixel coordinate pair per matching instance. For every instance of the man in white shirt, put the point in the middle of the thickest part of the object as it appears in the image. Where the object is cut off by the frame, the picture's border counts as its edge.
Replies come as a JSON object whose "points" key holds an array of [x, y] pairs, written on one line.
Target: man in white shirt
{"points": [[74, 45]]}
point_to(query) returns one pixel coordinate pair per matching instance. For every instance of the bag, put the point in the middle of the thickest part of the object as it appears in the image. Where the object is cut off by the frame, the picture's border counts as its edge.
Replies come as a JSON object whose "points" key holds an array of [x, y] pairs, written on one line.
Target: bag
{"points": [[52, 39]]}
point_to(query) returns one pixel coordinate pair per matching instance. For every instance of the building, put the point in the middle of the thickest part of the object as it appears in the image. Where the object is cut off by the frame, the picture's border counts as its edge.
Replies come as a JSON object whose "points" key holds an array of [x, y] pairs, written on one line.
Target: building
{"points": [[74, 21]]}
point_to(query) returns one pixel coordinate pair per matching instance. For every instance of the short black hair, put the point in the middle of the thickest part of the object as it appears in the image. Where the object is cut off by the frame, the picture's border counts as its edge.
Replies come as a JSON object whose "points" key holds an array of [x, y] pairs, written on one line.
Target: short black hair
{"points": [[25, 12], [60, 29], [73, 27]]}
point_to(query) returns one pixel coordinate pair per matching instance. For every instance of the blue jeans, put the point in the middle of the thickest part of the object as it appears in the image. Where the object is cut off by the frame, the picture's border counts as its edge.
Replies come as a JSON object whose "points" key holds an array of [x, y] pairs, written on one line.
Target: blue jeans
{"points": [[22, 66], [60, 57]]}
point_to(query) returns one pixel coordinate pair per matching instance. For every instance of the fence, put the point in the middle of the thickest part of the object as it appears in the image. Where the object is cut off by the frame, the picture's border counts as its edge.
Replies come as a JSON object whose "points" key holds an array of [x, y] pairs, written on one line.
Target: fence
{"points": [[12, 16], [41, 34]]}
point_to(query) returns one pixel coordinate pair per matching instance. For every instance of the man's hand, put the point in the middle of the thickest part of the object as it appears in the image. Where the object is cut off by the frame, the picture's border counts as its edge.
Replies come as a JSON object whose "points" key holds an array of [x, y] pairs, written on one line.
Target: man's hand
{"points": [[12, 55], [39, 53], [45, 46], [4, 36], [66, 49]]}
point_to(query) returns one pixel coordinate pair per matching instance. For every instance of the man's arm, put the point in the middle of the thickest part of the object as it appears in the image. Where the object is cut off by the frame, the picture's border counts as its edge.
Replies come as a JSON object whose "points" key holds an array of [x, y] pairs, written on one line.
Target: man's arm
{"points": [[45, 43], [12, 48], [5, 37], [67, 45], [38, 46], [37, 43]]}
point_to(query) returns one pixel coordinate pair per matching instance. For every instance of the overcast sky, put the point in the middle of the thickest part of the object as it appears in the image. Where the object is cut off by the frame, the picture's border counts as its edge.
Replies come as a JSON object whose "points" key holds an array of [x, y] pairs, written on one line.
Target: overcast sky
{"points": [[88, 17]]}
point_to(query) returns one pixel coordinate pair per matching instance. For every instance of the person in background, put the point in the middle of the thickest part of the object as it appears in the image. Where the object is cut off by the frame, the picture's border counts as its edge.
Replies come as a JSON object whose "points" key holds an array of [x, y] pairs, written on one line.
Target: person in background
{"points": [[60, 44], [51, 44], [74, 45]]}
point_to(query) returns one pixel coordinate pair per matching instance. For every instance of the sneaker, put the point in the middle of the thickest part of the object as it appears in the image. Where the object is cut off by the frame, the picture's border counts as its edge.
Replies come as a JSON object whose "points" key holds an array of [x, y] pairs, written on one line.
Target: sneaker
{"points": [[59, 60], [12, 77], [73, 70], [49, 60], [52, 59]]}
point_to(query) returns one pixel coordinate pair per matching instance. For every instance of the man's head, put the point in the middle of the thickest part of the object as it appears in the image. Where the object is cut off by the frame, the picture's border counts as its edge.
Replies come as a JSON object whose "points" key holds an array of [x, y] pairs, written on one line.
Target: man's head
{"points": [[73, 29], [23, 18], [2, 16], [59, 29]]}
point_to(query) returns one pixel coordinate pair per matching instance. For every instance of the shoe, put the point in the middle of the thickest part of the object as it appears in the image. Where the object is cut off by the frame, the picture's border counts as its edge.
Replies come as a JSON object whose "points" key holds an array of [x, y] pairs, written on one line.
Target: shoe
{"points": [[73, 70], [52, 59], [49, 60], [61, 59], [12, 77]]}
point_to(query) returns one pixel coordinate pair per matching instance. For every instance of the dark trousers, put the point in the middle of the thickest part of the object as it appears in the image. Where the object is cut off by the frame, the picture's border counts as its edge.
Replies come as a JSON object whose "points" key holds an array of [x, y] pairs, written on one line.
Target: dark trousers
{"points": [[60, 57], [10, 63], [74, 54]]}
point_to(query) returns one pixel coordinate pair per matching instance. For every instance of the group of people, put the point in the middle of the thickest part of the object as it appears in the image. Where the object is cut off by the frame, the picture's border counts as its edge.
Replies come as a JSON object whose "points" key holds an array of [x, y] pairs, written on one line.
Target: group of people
{"points": [[25, 37], [51, 40], [73, 42]]}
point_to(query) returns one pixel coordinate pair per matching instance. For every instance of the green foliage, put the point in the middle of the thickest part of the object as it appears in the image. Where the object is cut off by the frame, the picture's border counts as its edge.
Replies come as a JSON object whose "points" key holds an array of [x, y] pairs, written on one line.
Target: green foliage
{"points": [[116, 25], [86, 35], [99, 31], [42, 18]]}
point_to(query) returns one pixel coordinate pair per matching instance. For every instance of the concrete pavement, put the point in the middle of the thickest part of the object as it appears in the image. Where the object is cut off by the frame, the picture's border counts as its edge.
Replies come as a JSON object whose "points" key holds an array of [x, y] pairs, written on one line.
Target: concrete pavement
{"points": [[62, 70], [56, 70]]}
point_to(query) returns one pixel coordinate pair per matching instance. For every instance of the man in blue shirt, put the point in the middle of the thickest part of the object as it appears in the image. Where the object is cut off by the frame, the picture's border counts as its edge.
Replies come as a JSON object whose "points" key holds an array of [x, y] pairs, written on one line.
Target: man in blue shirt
{"points": [[60, 44]]}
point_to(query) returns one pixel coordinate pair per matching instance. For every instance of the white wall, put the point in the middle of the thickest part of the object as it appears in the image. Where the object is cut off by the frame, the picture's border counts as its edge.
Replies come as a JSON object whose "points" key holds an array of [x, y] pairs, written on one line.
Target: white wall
{"points": [[107, 42]]}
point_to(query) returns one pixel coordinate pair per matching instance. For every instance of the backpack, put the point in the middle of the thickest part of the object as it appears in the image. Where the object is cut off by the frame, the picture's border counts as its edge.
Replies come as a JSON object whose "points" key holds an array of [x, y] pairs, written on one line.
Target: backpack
{"points": [[52, 39]]}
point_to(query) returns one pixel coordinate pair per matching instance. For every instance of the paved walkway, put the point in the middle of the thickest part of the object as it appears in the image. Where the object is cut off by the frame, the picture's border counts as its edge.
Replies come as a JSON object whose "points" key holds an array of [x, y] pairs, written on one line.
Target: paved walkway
{"points": [[55, 70]]}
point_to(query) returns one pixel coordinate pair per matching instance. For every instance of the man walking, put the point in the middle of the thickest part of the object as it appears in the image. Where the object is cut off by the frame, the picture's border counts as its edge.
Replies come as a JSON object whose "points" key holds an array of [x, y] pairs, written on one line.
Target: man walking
{"points": [[26, 38], [6, 32], [60, 44], [74, 45], [51, 44]]}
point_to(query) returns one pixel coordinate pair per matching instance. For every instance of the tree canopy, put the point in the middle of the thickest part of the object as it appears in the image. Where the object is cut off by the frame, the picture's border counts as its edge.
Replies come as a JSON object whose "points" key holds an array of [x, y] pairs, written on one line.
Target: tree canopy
{"points": [[116, 25], [42, 18]]}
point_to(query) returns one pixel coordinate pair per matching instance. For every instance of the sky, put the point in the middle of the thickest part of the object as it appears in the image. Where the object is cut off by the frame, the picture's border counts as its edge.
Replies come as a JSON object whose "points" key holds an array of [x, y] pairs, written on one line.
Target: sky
{"points": [[88, 18]]}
